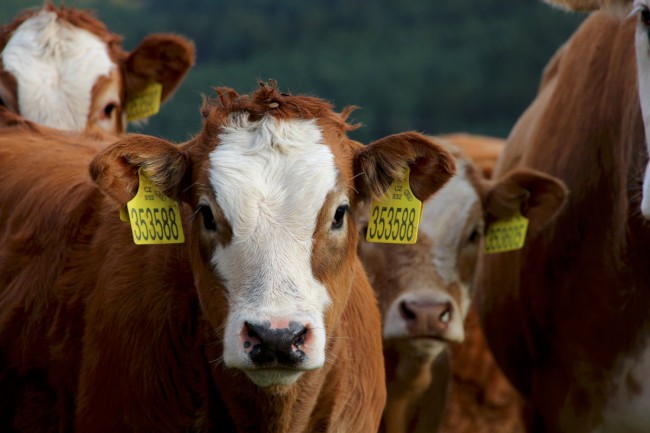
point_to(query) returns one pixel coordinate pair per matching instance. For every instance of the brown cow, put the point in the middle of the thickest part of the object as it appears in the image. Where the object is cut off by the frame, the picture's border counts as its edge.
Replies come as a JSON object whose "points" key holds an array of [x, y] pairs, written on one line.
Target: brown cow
{"points": [[62, 68], [263, 320], [567, 315], [424, 293]]}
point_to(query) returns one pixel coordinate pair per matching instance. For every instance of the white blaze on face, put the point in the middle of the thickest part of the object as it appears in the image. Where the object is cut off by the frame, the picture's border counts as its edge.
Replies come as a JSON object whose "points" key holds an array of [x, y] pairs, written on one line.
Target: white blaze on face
{"points": [[271, 178], [642, 42], [448, 218], [56, 66]]}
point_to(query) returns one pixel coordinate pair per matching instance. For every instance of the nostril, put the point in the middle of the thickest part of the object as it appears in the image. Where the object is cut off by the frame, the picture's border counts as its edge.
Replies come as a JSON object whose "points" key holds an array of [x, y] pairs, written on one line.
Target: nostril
{"points": [[445, 316], [406, 313], [299, 339]]}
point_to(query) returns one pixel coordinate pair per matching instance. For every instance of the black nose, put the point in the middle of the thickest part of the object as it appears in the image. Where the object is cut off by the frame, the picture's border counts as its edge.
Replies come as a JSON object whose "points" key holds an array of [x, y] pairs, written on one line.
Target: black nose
{"points": [[277, 346]]}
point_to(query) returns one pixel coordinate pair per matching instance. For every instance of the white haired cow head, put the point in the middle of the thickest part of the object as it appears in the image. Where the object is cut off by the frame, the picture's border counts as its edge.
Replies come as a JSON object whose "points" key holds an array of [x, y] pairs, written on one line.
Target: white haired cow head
{"points": [[272, 180], [62, 68], [642, 43]]}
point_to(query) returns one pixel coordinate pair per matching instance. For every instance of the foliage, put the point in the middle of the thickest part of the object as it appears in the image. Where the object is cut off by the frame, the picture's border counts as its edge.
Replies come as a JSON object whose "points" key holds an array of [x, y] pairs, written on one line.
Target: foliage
{"points": [[430, 66]]}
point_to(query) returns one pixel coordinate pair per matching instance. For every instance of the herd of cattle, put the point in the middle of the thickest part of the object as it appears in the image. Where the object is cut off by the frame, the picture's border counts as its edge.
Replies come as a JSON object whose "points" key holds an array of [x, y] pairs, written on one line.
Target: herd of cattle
{"points": [[260, 303]]}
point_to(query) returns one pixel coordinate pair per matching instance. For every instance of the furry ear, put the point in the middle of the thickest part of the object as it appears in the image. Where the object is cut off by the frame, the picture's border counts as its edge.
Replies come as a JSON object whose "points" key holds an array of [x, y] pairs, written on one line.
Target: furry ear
{"points": [[588, 5], [539, 196], [165, 59], [115, 169], [380, 163]]}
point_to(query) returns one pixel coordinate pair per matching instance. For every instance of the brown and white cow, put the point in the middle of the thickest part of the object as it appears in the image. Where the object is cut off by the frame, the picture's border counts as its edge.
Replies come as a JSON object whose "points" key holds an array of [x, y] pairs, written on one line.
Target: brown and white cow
{"points": [[61, 67], [263, 320], [424, 292], [567, 316]]}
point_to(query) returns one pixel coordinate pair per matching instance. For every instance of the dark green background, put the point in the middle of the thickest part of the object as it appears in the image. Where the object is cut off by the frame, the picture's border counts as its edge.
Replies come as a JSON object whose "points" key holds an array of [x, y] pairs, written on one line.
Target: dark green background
{"points": [[432, 66]]}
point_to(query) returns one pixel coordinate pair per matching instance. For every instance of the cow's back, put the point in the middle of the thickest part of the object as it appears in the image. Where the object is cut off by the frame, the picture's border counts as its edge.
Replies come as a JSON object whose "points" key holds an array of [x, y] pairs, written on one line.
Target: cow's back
{"points": [[559, 313]]}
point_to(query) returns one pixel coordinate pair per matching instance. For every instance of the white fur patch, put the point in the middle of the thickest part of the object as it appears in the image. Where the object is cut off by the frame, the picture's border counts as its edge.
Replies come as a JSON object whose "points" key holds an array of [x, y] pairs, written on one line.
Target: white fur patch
{"points": [[446, 220], [643, 73], [56, 66], [271, 179]]}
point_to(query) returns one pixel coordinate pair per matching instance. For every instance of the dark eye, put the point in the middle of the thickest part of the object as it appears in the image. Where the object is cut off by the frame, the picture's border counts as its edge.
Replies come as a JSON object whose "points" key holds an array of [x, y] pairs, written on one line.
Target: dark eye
{"points": [[208, 219], [339, 216], [645, 16], [109, 108], [473, 237]]}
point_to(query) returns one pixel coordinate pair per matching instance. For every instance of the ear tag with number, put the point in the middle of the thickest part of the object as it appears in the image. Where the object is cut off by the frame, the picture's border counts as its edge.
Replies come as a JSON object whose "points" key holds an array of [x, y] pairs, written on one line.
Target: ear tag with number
{"points": [[395, 217], [506, 234], [155, 218], [145, 103]]}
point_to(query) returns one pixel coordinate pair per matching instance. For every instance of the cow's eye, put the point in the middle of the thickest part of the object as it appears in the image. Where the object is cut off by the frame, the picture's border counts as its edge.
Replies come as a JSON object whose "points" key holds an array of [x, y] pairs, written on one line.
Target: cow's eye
{"points": [[109, 109], [208, 218], [339, 216], [473, 236]]}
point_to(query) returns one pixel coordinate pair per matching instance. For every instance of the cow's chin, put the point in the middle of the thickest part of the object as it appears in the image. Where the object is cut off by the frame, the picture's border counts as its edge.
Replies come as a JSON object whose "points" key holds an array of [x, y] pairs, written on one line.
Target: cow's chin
{"points": [[275, 378], [427, 347]]}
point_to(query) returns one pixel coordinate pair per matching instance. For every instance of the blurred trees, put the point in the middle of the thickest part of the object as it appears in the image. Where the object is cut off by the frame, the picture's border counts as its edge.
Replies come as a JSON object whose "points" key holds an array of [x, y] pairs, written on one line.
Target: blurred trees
{"points": [[435, 67]]}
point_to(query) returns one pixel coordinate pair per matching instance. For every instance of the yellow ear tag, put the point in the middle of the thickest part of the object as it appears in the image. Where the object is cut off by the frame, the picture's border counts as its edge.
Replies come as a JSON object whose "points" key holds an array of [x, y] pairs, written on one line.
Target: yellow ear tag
{"points": [[395, 217], [506, 234], [155, 218], [145, 103]]}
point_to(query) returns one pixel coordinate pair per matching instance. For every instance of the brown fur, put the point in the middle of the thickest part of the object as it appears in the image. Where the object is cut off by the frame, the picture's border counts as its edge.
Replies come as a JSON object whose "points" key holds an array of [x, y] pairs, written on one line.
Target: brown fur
{"points": [[560, 313], [588, 5], [98, 334]]}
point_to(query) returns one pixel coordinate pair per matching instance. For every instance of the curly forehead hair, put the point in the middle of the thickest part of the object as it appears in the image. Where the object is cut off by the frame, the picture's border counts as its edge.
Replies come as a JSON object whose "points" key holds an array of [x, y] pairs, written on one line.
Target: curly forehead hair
{"points": [[267, 100]]}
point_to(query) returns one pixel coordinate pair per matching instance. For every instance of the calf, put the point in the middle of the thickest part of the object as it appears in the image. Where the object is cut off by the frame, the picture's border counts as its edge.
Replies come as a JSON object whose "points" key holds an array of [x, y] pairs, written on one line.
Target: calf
{"points": [[424, 290], [263, 320], [62, 68]]}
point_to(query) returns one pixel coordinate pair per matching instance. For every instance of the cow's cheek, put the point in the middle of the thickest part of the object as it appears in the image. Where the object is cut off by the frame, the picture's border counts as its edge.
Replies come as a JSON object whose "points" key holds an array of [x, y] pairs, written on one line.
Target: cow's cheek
{"points": [[210, 289], [333, 260]]}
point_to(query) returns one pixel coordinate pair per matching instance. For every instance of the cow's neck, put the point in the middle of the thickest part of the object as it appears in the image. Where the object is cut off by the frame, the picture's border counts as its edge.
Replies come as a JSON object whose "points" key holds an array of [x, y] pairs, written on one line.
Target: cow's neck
{"points": [[407, 379]]}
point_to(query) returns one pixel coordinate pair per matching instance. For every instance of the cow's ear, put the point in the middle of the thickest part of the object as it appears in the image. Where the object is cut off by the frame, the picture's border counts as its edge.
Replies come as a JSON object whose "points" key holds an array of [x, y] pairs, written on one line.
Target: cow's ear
{"points": [[161, 58], [377, 165], [588, 5], [538, 196], [115, 169]]}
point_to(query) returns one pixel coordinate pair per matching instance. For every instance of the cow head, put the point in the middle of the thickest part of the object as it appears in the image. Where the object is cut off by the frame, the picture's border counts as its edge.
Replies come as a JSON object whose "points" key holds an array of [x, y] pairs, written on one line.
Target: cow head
{"points": [[272, 180], [62, 68], [424, 290]]}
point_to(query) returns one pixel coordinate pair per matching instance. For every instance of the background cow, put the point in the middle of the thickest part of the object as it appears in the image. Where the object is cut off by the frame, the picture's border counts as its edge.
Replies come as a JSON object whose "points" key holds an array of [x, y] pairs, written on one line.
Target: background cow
{"points": [[263, 320], [62, 68], [424, 293], [567, 315]]}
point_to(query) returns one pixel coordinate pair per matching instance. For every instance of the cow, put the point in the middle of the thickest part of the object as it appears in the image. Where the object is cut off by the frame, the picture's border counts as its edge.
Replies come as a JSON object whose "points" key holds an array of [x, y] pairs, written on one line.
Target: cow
{"points": [[566, 316], [263, 320], [424, 293], [62, 68]]}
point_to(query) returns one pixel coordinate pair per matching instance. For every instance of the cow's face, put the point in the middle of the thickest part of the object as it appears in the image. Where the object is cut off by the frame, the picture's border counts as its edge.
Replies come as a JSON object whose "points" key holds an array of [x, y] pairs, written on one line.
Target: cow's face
{"points": [[279, 241], [424, 289], [272, 180], [64, 69]]}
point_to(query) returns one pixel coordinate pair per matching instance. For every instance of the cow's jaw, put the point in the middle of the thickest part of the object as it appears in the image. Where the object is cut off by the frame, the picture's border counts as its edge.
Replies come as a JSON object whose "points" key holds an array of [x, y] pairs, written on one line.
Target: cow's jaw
{"points": [[271, 178], [56, 66]]}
